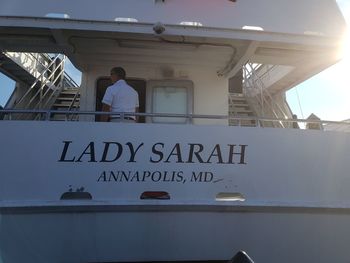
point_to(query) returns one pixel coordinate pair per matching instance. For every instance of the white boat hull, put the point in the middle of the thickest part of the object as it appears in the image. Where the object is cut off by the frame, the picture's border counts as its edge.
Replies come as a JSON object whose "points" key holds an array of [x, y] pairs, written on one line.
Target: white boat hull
{"points": [[72, 199], [271, 235]]}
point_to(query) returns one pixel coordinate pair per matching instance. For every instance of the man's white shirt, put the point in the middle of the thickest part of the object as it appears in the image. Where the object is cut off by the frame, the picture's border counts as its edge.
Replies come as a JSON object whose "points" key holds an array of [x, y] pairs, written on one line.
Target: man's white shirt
{"points": [[121, 97]]}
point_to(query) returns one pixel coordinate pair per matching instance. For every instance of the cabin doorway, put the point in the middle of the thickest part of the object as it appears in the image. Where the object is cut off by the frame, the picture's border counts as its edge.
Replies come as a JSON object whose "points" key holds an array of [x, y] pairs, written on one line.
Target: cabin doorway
{"points": [[138, 84]]}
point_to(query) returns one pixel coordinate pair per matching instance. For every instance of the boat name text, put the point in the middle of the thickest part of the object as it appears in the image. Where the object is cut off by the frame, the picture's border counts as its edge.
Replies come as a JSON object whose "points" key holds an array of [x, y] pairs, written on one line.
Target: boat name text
{"points": [[109, 152]]}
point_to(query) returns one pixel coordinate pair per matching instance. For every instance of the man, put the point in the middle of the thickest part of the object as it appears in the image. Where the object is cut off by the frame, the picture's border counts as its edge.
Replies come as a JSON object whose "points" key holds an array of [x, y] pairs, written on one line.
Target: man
{"points": [[119, 97]]}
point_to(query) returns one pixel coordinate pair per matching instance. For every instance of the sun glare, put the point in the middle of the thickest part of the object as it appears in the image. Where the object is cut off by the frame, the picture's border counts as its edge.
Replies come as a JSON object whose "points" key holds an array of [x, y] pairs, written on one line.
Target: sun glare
{"points": [[346, 46], [339, 71], [346, 43]]}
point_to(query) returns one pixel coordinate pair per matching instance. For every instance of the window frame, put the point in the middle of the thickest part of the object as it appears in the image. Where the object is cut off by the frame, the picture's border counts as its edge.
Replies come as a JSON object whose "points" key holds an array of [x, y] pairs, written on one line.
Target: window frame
{"points": [[152, 84]]}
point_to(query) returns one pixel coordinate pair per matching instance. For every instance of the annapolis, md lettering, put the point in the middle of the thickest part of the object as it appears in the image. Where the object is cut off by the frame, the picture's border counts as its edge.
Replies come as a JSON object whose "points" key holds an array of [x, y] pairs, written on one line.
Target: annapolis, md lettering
{"points": [[154, 176], [117, 152]]}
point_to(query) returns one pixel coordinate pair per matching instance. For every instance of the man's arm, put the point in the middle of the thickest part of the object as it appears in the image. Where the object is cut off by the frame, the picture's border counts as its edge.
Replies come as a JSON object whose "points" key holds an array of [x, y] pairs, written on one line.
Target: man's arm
{"points": [[105, 108]]}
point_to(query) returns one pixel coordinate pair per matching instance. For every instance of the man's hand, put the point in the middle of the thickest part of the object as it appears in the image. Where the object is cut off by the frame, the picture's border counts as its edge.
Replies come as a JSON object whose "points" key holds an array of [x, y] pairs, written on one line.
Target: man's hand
{"points": [[105, 108]]}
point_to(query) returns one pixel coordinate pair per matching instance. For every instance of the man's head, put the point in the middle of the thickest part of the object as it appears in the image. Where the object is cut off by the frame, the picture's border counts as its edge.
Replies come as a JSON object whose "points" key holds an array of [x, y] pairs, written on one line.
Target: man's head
{"points": [[117, 73]]}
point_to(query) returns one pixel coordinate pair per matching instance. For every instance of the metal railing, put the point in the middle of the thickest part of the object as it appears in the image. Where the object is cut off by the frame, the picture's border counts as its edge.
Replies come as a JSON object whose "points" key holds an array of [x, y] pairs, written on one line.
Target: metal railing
{"points": [[68, 81], [38, 80], [65, 80], [46, 115], [55, 76], [50, 80], [263, 97]]}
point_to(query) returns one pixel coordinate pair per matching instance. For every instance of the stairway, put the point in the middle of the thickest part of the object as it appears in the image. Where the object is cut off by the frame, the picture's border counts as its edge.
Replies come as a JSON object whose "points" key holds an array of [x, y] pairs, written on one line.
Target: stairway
{"points": [[239, 107], [64, 102], [15, 71]]}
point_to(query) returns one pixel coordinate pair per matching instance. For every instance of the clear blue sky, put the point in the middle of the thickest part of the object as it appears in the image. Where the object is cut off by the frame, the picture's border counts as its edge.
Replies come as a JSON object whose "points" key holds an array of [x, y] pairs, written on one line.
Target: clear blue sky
{"points": [[6, 88], [327, 94]]}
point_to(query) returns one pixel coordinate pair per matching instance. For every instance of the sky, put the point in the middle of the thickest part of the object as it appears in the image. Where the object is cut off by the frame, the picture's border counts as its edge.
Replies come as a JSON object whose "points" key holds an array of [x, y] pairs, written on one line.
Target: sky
{"points": [[327, 95], [6, 88]]}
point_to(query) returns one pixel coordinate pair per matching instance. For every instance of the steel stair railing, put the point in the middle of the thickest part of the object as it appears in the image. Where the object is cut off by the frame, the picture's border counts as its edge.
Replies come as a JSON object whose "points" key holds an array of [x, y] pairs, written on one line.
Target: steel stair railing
{"points": [[70, 82], [263, 89], [67, 78], [67, 81], [72, 116], [53, 81], [56, 87], [72, 103], [252, 81], [39, 79], [41, 93], [49, 78], [251, 97], [260, 101]]}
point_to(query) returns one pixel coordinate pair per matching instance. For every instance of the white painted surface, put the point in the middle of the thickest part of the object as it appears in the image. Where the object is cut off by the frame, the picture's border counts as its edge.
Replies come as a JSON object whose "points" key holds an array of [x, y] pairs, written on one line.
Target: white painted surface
{"points": [[312, 17], [159, 236], [284, 167], [295, 183]]}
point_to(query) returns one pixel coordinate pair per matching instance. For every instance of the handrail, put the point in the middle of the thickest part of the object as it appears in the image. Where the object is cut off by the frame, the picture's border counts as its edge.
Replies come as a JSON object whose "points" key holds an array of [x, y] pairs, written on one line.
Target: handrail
{"points": [[48, 58], [56, 88], [50, 69], [71, 80], [55, 73], [73, 101], [45, 83], [252, 77], [248, 78], [263, 89], [48, 113], [36, 81], [63, 73]]}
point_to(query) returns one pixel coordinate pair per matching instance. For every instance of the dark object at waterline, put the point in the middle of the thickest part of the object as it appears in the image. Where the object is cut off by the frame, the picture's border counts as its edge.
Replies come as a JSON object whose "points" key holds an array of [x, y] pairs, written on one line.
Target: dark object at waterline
{"points": [[241, 257], [76, 196]]}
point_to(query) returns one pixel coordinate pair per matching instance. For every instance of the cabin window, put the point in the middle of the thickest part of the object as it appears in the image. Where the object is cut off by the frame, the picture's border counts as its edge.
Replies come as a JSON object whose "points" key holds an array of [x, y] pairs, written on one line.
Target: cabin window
{"points": [[170, 97]]}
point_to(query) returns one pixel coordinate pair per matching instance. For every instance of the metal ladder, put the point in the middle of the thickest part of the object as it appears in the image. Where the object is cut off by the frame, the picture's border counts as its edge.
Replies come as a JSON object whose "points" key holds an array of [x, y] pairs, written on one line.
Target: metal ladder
{"points": [[239, 107], [67, 100], [48, 81]]}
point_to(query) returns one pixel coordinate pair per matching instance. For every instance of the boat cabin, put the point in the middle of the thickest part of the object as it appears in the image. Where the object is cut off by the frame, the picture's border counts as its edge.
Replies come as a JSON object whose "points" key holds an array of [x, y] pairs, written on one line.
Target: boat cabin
{"points": [[229, 59]]}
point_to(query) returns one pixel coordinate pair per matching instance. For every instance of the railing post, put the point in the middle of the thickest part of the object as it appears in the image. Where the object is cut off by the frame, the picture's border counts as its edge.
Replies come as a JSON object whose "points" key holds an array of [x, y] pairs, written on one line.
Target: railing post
{"points": [[47, 115], [190, 118], [257, 122], [39, 78]]}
